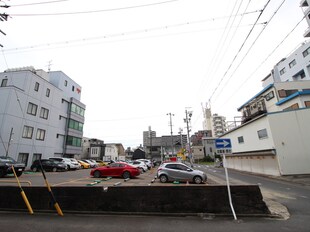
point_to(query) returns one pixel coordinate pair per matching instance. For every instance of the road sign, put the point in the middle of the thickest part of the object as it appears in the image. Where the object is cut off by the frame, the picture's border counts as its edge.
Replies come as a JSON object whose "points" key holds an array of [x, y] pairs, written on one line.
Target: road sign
{"points": [[222, 143]]}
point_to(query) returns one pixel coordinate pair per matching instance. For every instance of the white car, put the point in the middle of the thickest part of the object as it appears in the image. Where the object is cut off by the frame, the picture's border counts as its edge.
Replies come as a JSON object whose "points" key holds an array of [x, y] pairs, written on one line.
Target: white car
{"points": [[147, 162], [138, 164], [67, 161]]}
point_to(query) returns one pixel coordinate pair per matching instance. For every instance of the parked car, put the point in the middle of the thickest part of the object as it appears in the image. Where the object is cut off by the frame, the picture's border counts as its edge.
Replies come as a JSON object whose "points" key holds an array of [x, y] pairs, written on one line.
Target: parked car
{"points": [[117, 169], [139, 164], [91, 163], [147, 162], [75, 162], [102, 163], [70, 165], [6, 164], [175, 171], [84, 164], [48, 165]]}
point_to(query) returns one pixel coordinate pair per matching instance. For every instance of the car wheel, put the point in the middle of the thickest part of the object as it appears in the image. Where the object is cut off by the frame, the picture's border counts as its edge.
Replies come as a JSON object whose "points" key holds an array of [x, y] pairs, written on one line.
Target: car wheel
{"points": [[19, 174], [54, 169], [141, 170], [34, 169], [126, 175], [2, 173], [68, 167], [82, 167], [163, 179], [197, 180], [97, 174]]}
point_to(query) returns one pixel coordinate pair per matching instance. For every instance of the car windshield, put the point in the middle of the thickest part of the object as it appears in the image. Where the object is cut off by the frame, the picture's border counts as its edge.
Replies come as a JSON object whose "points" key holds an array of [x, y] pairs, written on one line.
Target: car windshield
{"points": [[7, 159]]}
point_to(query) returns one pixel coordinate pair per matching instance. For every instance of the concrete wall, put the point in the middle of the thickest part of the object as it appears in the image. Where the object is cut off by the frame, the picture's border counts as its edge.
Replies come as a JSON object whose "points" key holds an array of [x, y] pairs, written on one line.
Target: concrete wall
{"points": [[291, 133], [247, 200]]}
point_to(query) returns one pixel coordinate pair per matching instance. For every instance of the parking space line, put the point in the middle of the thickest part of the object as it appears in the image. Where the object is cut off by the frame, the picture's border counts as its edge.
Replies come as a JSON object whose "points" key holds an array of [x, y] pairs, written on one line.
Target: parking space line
{"points": [[71, 181]]}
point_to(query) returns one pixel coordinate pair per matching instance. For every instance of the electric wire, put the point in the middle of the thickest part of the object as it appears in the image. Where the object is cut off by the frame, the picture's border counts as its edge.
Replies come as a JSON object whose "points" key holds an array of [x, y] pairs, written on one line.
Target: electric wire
{"points": [[122, 34], [264, 61], [96, 11], [38, 3], [218, 50], [250, 48], [237, 54]]}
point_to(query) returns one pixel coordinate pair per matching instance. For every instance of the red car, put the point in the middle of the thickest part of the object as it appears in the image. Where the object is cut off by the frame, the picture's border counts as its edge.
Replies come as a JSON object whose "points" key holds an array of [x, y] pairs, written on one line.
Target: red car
{"points": [[117, 169]]}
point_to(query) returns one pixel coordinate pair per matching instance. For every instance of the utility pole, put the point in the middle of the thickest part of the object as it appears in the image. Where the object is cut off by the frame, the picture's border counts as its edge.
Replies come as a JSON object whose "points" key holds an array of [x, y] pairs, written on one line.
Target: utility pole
{"points": [[170, 124], [187, 119], [181, 137], [150, 137], [9, 143]]}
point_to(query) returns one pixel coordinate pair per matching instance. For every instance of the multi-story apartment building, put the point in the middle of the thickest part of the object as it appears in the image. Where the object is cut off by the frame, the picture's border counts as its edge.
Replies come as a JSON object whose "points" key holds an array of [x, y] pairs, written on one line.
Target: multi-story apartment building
{"points": [[295, 67], [304, 4], [41, 115], [214, 122]]}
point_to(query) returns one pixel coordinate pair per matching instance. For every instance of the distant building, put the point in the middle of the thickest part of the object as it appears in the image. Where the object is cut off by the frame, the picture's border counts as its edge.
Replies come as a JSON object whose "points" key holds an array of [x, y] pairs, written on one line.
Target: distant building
{"points": [[214, 122], [156, 148], [41, 115]]}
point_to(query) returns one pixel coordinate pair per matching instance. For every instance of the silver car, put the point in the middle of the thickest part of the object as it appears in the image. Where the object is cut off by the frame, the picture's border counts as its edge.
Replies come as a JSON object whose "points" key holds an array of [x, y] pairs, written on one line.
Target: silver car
{"points": [[174, 171]]}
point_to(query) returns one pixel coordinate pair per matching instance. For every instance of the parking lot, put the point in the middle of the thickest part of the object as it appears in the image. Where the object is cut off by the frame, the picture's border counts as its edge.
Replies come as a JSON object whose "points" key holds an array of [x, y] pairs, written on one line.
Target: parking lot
{"points": [[82, 178]]}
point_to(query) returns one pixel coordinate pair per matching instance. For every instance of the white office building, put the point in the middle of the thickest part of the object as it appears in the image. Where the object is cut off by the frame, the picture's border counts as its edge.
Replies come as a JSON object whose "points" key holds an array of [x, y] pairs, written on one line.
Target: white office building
{"points": [[41, 115]]}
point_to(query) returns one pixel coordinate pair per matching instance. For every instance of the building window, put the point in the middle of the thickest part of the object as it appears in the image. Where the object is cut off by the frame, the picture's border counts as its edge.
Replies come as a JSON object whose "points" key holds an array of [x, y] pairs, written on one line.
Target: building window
{"points": [[306, 52], [32, 109], [269, 95], [77, 109], [240, 139], [36, 156], [262, 134], [307, 104], [75, 125], [36, 86], [66, 83], [292, 63], [72, 88], [40, 134], [44, 113], [27, 132], [23, 158], [48, 91], [4, 82], [285, 93], [73, 141], [282, 71], [292, 107]]}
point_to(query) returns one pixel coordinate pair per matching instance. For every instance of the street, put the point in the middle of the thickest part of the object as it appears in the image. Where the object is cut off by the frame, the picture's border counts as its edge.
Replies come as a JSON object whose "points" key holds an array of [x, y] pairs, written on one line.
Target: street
{"points": [[292, 195]]}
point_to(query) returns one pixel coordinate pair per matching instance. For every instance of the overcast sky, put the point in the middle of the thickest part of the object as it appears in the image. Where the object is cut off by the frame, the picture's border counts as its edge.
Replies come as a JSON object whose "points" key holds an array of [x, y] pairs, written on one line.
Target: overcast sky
{"points": [[138, 60]]}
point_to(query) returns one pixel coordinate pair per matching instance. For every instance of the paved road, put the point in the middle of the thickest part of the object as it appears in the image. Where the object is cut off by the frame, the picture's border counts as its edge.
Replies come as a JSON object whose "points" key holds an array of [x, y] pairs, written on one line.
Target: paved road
{"points": [[294, 196]]}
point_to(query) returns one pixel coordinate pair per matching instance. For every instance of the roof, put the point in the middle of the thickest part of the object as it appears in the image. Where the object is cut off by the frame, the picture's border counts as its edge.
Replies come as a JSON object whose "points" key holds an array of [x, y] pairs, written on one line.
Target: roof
{"points": [[299, 93], [258, 94]]}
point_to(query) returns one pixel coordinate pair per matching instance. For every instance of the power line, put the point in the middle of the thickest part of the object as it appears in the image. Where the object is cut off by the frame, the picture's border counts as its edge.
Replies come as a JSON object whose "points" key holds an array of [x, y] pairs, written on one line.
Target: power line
{"points": [[264, 61], [252, 45], [122, 34], [235, 57], [217, 57], [39, 3], [97, 11]]}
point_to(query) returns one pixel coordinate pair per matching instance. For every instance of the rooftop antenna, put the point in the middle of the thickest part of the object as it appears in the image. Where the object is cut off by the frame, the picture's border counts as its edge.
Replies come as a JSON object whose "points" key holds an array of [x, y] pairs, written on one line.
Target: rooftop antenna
{"points": [[49, 65]]}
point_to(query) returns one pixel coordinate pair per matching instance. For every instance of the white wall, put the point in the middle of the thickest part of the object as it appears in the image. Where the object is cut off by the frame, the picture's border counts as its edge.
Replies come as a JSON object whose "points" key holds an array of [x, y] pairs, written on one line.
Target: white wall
{"points": [[291, 132], [251, 140]]}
